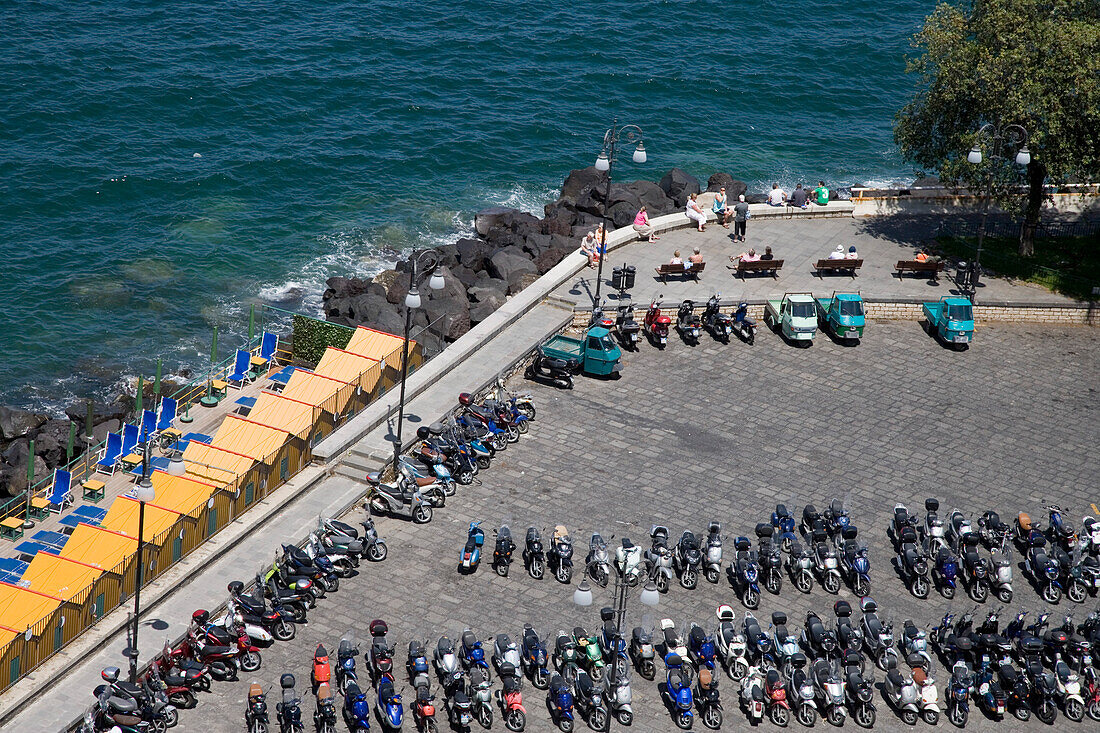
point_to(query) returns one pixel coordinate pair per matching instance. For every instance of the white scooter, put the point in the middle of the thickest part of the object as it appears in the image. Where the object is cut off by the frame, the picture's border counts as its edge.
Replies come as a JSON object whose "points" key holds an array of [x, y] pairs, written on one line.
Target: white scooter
{"points": [[752, 695], [712, 563], [628, 559], [619, 697], [731, 643], [258, 634], [902, 694]]}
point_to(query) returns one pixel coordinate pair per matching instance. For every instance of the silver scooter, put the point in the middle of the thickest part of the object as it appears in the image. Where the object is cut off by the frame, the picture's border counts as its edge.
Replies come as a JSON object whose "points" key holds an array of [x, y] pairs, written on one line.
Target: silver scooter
{"points": [[392, 499]]}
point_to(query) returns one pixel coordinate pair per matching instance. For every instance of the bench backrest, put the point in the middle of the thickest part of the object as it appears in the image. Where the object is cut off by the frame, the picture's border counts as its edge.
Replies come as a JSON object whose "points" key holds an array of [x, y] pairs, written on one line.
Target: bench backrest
{"points": [[670, 268], [918, 265], [759, 265], [838, 264]]}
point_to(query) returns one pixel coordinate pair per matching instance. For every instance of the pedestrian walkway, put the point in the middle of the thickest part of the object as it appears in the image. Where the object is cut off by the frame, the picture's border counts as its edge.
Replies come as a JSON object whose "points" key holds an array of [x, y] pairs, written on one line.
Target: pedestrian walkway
{"points": [[799, 243]]}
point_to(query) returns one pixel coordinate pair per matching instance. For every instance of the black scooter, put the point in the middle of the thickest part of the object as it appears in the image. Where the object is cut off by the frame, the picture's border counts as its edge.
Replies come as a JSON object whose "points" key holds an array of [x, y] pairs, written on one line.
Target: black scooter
{"points": [[719, 324], [626, 327], [688, 324], [549, 370]]}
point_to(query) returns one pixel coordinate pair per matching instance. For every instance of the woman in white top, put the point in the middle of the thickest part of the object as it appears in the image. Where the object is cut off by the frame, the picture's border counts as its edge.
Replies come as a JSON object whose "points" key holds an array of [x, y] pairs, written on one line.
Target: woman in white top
{"points": [[695, 212]]}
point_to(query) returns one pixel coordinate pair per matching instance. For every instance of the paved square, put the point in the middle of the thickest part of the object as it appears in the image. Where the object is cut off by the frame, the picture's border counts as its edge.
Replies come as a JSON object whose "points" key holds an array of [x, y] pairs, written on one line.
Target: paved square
{"points": [[724, 432]]}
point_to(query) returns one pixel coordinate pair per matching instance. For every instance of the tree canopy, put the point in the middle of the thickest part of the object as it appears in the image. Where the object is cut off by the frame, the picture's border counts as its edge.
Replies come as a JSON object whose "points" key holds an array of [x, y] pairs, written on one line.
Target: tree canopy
{"points": [[1035, 63]]}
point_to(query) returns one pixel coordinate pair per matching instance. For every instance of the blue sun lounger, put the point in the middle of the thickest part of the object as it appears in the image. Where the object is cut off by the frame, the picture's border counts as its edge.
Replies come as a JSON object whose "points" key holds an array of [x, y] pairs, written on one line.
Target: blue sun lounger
{"points": [[33, 547], [160, 463], [61, 494], [246, 405], [283, 376], [129, 439], [55, 540], [242, 367], [108, 460], [11, 570], [148, 428], [167, 414], [84, 514], [197, 437]]}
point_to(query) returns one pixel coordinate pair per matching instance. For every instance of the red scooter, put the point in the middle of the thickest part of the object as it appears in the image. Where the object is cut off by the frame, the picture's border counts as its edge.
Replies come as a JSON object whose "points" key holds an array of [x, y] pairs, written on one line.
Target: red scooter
{"points": [[322, 670], [423, 710], [656, 324], [175, 664], [510, 698], [206, 647]]}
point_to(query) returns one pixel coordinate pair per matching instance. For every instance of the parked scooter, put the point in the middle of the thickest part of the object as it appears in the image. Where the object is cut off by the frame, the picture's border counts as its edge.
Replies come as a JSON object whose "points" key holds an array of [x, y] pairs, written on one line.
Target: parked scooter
{"points": [[625, 326], [656, 324], [783, 522], [470, 555], [659, 558], [416, 664], [641, 652], [590, 702], [753, 694], [677, 691], [598, 562], [388, 708], [534, 658], [345, 662], [502, 552], [618, 696], [769, 558], [957, 694], [324, 717], [392, 499], [800, 566], [510, 698], [688, 324], [289, 710], [255, 712], [744, 326], [534, 557], [912, 563], [944, 570], [719, 324], [687, 560], [322, 669], [561, 703], [560, 556], [707, 699], [745, 573], [902, 693], [422, 707], [551, 370], [854, 562], [731, 643], [859, 691], [802, 695], [628, 559], [712, 562], [878, 637], [829, 690], [380, 653], [933, 531], [471, 655]]}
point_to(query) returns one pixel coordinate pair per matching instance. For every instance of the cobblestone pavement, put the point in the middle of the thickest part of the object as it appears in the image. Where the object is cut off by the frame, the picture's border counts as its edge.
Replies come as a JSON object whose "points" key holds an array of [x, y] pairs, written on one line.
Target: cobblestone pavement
{"points": [[724, 432]]}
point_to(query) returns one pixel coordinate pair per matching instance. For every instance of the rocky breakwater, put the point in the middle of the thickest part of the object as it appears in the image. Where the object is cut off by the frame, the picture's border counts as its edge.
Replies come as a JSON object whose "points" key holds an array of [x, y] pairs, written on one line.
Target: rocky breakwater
{"points": [[511, 250]]}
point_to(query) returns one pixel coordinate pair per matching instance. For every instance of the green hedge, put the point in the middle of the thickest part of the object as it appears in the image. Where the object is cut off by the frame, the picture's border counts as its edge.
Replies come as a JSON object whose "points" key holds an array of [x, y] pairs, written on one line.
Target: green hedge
{"points": [[312, 337]]}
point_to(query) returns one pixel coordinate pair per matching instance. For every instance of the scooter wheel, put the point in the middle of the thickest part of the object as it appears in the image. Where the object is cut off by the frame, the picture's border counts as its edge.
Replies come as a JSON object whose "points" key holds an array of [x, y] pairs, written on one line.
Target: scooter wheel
{"points": [[1023, 712], [713, 576], [909, 717], [250, 661], [689, 579], [958, 716], [807, 716], [483, 462], [836, 717], [684, 720], [422, 514], [1093, 710], [947, 592], [625, 717], [449, 487], [1004, 596], [1051, 594], [284, 630], [465, 477], [501, 569], [522, 427], [662, 583], [515, 720], [779, 715], [647, 669], [566, 725], [536, 569], [378, 551], [1075, 710], [597, 720], [171, 717], [919, 588], [932, 717], [1077, 592]]}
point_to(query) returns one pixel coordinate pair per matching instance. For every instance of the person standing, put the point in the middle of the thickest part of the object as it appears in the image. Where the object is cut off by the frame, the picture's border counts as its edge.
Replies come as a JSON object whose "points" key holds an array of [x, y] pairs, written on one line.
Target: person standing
{"points": [[695, 212], [777, 196], [721, 208], [643, 227], [821, 194], [740, 216]]}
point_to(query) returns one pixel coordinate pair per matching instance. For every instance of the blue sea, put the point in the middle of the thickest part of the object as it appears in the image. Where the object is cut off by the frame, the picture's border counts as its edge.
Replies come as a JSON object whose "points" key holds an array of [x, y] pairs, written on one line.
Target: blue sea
{"points": [[165, 165]]}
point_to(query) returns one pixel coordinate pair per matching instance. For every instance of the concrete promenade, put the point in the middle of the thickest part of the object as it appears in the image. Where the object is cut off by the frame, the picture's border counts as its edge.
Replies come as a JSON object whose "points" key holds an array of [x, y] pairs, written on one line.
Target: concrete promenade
{"points": [[799, 243]]}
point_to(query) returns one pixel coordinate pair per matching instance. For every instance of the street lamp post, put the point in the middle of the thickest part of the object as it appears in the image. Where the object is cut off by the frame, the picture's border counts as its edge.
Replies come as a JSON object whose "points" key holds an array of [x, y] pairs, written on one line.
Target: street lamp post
{"points": [[649, 597], [145, 493], [1015, 136], [604, 162], [423, 267]]}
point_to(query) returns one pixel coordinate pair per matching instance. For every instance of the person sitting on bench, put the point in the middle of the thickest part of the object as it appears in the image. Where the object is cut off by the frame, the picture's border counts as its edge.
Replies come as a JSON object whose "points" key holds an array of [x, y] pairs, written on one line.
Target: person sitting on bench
{"points": [[749, 256], [838, 253], [693, 260], [676, 258], [852, 254], [767, 254]]}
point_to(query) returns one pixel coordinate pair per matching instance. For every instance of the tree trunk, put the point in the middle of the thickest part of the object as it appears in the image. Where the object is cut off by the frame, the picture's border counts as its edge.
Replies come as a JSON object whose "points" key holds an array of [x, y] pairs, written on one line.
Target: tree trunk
{"points": [[1036, 177]]}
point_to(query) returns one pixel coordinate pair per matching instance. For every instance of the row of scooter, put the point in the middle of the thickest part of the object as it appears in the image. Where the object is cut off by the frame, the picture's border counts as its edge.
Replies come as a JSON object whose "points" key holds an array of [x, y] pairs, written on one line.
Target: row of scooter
{"points": [[221, 647], [655, 326], [946, 553], [451, 453]]}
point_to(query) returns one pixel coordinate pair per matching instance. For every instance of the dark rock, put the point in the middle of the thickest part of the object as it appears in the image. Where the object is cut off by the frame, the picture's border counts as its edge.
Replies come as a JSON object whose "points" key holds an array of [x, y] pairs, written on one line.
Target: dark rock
{"points": [[622, 214], [396, 284], [591, 203], [17, 423], [650, 195], [488, 290], [473, 253], [678, 185], [507, 263], [755, 198], [580, 182], [480, 311], [559, 220], [448, 313], [452, 286], [734, 187], [51, 452], [448, 255], [534, 244], [16, 453], [548, 259], [429, 342], [504, 238], [16, 476], [501, 217], [927, 182], [466, 276]]}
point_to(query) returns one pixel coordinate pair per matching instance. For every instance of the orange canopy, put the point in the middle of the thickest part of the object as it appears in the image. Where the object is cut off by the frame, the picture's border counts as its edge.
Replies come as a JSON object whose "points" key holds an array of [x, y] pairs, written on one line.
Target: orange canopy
{"points": [[313, 389], [21, 607], [280, 411], [249, 437], [182, 494], [124, 516], [346, 366], [100, 547], [215, 465], [64, 578], [378, 345]]}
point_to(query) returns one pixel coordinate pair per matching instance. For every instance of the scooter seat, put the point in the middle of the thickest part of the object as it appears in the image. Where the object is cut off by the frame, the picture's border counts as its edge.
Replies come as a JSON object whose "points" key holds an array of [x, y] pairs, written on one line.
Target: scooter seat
{"points": [[129, 721], [911, 555], [901, 516], [424, 480], [893, 676], [854, 680], [1024, 521], [773, 677], [208, 651], [911, 632], [173, 681]]}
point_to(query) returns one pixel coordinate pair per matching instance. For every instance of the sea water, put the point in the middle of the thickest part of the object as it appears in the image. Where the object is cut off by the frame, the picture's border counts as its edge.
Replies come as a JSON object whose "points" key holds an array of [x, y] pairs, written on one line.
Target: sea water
{"points": [[167, 164]]}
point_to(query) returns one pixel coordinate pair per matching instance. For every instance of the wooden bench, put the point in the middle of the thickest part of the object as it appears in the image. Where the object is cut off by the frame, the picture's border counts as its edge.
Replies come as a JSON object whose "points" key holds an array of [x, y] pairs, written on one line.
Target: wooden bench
{"points": [[827, 265], [680, 269], [931, 267], [772, 266]]}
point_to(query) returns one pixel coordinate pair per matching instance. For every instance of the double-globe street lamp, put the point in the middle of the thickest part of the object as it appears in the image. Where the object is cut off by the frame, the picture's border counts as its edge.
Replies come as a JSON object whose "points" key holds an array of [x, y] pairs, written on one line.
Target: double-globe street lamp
{"points": [[649, 596], [1014, 137], [422, 266], [631, 134]]}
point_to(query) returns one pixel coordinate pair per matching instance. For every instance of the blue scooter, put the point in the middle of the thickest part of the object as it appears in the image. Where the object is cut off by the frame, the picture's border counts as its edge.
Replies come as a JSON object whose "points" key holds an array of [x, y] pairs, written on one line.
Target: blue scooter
{"points": [[497, 436], [470, 555], [783, 521], [677, 691], [561, 703], [345, 664], [745, 326], [389, 705], [356, 709], [471, 654], [944, 572], [701, 648]]}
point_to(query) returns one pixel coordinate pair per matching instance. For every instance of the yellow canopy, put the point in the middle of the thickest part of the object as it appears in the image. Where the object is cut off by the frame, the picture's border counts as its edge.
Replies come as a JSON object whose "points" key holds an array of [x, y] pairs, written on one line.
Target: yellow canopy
{"points": [[182, 494], [378, 345], [100, 547], [20, 608], [215, 465], [64, 578], [313, 389], [250, 438], [349, 367], [279, 411], [124, 515]]}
